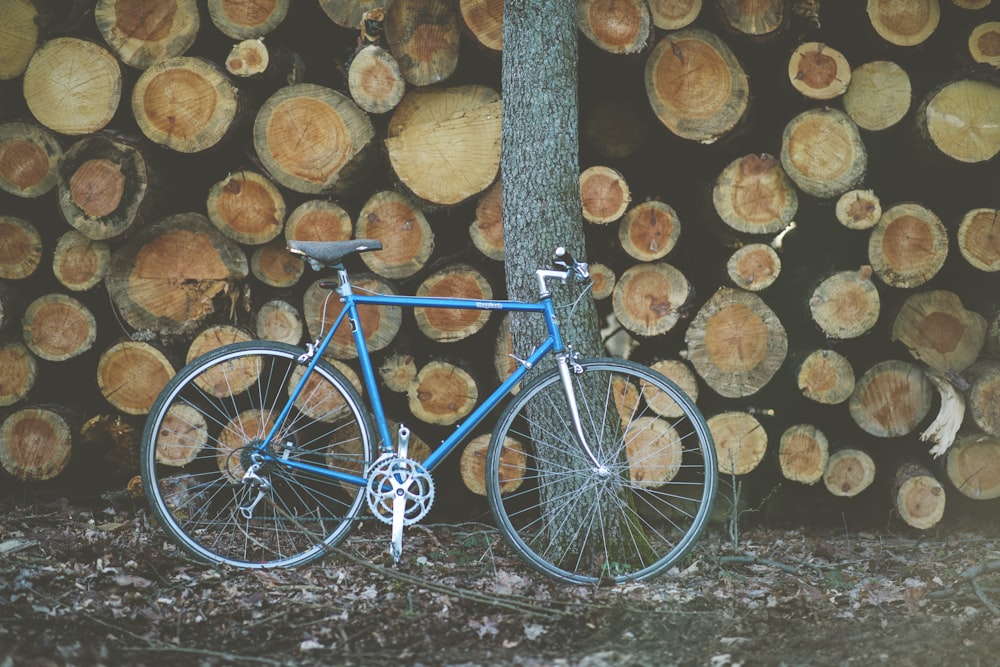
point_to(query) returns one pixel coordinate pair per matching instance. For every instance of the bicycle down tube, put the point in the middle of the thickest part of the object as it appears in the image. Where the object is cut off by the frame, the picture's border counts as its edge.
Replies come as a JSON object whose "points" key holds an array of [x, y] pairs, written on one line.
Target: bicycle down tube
{"points": [[552, 343]]}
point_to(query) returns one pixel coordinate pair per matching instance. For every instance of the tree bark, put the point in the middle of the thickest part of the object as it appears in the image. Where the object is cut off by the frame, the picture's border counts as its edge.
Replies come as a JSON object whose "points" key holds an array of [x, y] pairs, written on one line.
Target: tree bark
{"points": [[144, 32], [29, 156], [87, 69], [444, 143], [908, 246], [891, 399], [185, 104], [753, 195], [736, 343], [696, 86]]}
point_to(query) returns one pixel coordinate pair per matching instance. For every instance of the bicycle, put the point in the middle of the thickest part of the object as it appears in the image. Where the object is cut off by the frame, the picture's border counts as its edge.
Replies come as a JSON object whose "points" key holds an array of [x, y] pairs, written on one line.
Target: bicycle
{"points": [[262, 454]]}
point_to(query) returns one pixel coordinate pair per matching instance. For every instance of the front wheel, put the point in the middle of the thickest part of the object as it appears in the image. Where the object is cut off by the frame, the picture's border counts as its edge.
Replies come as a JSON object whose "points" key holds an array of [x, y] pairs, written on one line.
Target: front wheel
{"points": [[208, 429], [634, 514]]}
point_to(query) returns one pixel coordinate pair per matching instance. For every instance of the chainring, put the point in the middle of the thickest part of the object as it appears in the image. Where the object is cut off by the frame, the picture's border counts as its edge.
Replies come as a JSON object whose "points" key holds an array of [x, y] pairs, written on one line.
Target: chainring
{"points": [[394, 477]]}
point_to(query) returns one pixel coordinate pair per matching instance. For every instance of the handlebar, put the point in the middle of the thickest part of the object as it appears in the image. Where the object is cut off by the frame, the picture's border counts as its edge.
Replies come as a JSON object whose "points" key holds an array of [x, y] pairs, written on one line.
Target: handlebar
{"points": [[572, 270]]}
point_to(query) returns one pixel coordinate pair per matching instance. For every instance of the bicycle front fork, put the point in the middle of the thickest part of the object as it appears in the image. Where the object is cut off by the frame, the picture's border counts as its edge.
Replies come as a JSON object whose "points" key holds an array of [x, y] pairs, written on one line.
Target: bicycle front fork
{"points": [[567, 365]]}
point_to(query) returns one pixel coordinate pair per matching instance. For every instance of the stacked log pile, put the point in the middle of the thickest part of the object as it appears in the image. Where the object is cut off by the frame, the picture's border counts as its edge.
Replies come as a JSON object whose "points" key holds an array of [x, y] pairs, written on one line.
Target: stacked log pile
{"points": [[791, 207]]}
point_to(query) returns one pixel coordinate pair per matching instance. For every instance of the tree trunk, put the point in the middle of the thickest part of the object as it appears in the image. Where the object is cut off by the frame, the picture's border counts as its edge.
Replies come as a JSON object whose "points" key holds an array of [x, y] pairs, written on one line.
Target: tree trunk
{"points": [[186, 104], [736, 343], [36, 443], [908, 246], [939, 331], [879, 95], [891, 399], [615, 26], [917, 496], [246, 19], [444, 143], [144, 32], [803, 453], [29, 156], [849, 472], [170, 277], [79, 263], [696, 86], [822, 152], [740, 441], [846, 304], [87, 69], [247, 208], [406, 236], [753, 195], [423, 35], [104, 186]]}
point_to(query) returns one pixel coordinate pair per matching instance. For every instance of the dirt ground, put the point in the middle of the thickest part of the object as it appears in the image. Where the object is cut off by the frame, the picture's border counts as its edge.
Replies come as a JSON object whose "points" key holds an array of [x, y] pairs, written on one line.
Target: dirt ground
{"points": [[90, 584]]}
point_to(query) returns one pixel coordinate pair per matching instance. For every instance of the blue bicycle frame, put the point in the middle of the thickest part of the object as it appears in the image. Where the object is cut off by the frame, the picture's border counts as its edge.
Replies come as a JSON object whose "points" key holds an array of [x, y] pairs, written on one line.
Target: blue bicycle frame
{"points": [[351, 301]]}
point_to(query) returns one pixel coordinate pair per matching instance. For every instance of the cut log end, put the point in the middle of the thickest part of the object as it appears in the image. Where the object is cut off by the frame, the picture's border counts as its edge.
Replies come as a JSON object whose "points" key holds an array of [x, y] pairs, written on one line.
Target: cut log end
{"points": [[604, 194], [849, 472]]}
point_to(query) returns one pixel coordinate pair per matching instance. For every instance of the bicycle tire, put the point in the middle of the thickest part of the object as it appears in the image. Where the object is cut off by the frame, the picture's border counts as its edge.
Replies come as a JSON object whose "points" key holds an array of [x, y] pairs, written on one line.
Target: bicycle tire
{"points": [[577, 523], [195, 450]]}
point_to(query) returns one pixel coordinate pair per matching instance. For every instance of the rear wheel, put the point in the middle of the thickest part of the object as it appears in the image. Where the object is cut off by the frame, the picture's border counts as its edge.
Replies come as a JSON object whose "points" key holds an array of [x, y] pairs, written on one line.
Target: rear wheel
{"points": [[632, 516], [208, 428]]}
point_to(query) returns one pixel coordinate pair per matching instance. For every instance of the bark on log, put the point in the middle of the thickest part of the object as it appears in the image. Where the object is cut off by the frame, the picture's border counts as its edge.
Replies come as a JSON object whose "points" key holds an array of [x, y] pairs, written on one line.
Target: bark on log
{"points": [[406, 236], [891, 398], [740, 441], [104, 186], [374, 80], [648, 299], [484, 20], [18, 372], [442, 393], [818, 71], [822, 152], [918, 496], [80, 263], [170, 277], [604, 194], [846, 304], [984, 44], [320, 308], [29, 155], [274, 265], [904, 23], [960, 119], [879, 95], [58, 327], [444, 144], [674, 14], [186, 104], [247, 207], [511, 472], [318, 220], [349, 13], [849, 472], [423, 35], [826, 376], [144, 32], [36, 443], [803, 453], [973, 466], [754, 267], [649, 230], [615, 26], [73, 86], [736, 343], [984, 397], [18, 37], [447, 325], [858, 209], [908, 246], [696, 86], [245, 19], [280, 321], [979, 238], [20, 248], [313, 139], [131, 374], [486, 230], [756, 19], [753, 195], [940, 331]]}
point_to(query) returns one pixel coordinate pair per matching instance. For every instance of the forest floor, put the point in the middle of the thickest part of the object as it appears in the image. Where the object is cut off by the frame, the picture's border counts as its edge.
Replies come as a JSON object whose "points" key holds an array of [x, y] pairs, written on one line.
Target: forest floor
{"points": [[89, 584]]}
